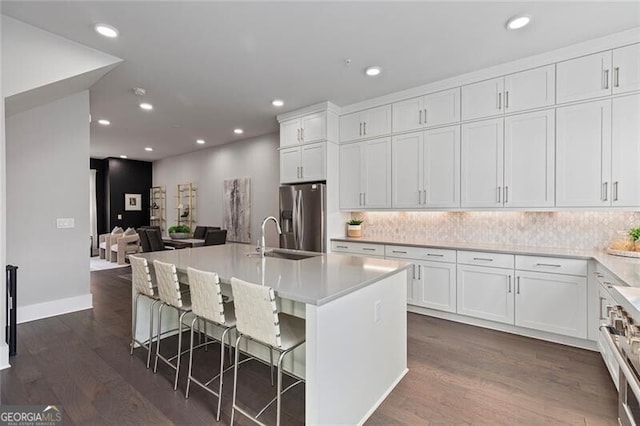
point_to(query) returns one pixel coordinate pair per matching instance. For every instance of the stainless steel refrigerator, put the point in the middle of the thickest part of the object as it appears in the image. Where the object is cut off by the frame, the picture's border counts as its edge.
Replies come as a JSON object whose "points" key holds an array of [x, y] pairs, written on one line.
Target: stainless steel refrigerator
{"points": [[303, 217]]}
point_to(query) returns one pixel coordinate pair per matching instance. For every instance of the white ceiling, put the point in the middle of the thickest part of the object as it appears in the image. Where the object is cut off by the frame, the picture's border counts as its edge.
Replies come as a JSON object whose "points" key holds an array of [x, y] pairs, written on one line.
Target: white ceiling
{"points": [[211, 66]]}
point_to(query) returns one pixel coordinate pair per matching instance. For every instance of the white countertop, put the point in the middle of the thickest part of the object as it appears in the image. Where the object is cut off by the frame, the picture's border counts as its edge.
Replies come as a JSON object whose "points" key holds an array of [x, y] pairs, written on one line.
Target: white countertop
{"points": [[316, 280]]}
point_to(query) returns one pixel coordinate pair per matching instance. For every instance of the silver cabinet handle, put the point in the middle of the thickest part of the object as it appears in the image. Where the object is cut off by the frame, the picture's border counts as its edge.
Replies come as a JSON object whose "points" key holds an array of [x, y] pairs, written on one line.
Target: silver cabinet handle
{"points": [[344, 247], [605, 191], [616, 77], [605, 74], [435, 255], [360, 132], [419, 272], [297, 172], [298, 137], [360, 199], [368, 249], [499, 191], [509, 291], [398, 251], [615, 191], [364, 128], [506, 194], [420, 117], [425, 116], [364, 198], [506, 99], [551, 265], [518, 285], [414, 271], [302, 134], [486, 259], [499, 100], [301, 172]]}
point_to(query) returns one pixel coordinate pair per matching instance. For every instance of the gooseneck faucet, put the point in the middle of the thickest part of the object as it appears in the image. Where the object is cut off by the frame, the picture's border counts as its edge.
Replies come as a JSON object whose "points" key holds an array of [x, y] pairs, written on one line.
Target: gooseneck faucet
{"points": [[264, 222]]}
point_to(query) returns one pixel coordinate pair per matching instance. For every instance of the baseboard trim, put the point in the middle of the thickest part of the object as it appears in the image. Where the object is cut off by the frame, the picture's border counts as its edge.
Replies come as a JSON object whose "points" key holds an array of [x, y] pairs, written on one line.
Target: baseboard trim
{"points": [[55, 307], [383, 397], [4, 356]]}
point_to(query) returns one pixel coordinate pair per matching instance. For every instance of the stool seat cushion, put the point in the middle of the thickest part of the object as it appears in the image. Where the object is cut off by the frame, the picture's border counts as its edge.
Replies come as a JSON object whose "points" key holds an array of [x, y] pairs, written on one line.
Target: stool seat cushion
{"points": [[292, 331]]}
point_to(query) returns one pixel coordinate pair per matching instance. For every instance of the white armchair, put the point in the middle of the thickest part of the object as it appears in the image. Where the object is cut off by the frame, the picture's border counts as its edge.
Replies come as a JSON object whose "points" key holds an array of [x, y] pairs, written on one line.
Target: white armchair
{"points": [[105, 242], [122, 245]]}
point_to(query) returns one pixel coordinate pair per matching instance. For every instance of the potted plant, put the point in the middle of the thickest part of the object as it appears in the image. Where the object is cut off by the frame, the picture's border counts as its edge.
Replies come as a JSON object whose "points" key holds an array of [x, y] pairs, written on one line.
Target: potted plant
{"points": [[635, 236], [354, 228], [179, 232]]}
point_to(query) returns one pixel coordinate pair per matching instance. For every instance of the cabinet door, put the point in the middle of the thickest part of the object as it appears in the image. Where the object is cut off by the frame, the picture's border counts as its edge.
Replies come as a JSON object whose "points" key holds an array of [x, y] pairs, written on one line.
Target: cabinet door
{"points": [[408, 115], [290, 165], [485, 293], [350, 127], [312, 162], [583, 149], [290, 133], [314, 127], [530, 89], [482, 99], [552, 302], [482, 163], [529, 151], [376, 121], [437, 282], [441, 167], [583, 78], [407, 170], [377, 174], [625, 151], [626, 69], [351, 176], [442, 107]]}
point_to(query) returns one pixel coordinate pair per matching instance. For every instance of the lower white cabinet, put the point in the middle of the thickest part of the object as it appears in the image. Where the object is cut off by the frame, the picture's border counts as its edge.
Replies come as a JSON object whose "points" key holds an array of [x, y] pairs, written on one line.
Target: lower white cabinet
{"points": [[551, 302], [436, 286], [485, 292]]}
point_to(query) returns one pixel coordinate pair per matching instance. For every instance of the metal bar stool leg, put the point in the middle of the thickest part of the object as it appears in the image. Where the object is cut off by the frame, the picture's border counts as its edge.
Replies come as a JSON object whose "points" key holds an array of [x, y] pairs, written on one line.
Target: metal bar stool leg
{"points": [[175, 382], [225, 332], [134, 322], [155, 365], [235, 378], [186, 395], [271, 364], [153, 305]]}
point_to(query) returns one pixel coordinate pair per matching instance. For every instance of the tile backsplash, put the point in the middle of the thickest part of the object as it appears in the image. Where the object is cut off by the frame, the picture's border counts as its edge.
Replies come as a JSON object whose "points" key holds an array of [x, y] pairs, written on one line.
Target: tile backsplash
{"points": [[578, 230]]}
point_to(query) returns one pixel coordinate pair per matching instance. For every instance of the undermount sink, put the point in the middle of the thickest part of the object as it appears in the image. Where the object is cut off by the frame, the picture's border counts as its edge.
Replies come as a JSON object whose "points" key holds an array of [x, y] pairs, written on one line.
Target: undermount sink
{"points": [[282, 254]]}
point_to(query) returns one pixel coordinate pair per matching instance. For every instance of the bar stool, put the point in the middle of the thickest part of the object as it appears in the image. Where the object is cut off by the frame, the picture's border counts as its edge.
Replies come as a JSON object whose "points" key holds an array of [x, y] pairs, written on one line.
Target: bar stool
{"points": [[142, 286], [258, 319], [208, 306], [170, 295]]}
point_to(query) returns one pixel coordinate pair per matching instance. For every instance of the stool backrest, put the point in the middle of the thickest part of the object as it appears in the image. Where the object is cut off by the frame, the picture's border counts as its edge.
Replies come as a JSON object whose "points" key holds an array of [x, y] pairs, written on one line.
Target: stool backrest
{"points": [[140, 276], [256, 312], [215, 237], [168, 285], [206, 296]]}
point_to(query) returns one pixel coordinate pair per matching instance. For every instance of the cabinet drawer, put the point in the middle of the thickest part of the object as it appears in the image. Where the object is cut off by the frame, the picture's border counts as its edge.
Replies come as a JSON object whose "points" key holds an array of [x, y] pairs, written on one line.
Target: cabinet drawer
{"points": [[605, 277], [421, 253], [495, 260], [552, 264], [376, 250]]}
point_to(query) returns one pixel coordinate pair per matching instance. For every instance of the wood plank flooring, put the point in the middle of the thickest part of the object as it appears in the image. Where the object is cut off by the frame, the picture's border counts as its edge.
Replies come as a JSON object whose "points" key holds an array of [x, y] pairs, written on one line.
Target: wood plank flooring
{"points": [[458, 375]]}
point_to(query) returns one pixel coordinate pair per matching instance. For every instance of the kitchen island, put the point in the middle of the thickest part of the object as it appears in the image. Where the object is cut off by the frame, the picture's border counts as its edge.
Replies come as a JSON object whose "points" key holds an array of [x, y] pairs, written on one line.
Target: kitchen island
{"points": [[355, 310]]}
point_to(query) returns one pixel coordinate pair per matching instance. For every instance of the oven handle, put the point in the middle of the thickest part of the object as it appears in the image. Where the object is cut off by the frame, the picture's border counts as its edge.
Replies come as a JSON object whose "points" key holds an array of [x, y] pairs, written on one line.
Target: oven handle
{"points": [[632, 381]]}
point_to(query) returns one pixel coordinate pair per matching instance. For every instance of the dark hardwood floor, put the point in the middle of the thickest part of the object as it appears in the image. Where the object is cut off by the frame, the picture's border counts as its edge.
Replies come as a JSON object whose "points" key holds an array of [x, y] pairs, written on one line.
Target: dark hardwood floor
{"points": [[458, 375]]}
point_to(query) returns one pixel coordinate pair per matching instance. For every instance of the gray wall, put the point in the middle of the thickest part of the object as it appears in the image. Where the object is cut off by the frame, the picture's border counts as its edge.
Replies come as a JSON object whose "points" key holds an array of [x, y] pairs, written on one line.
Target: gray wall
{"points": [[256, 158], [47, 178], [4, 350]]}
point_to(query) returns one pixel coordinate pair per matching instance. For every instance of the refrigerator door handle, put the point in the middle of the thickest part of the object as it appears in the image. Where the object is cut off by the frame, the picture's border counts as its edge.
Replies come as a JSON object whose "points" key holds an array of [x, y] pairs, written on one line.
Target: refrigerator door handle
{"points": [[301, 221], [294, 219]]}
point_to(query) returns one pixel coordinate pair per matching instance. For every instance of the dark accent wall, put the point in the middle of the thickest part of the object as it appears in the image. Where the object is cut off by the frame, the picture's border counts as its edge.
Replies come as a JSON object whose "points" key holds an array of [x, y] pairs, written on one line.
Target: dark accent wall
{"points": [[122, 177]]}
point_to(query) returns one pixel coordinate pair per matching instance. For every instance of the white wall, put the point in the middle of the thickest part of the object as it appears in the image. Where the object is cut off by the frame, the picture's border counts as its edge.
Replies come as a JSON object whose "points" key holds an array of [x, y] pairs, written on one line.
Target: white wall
{"points": [[47, 167], [4, 349], [256, 158]]}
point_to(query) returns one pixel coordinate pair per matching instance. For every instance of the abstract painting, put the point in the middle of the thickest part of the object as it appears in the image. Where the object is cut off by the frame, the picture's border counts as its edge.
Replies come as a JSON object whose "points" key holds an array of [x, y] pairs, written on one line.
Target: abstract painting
{"points": [[237, 209]]}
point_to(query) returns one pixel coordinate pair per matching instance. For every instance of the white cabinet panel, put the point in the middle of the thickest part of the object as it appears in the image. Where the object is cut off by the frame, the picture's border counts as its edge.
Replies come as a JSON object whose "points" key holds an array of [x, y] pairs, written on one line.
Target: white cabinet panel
{"points": [[529, 89], [495, 260], [354, 249], [625, 151], [351, 158], [554, 265], [482, 99], [377, 173], [482, 163], [290, 133], [350, 127], [442, 108], [437, 281], [407, 170], [312, 162], [289, 165], [485, 293], [376, 121], [441, 167], [583, 149], [552, 303], [626, 69], [583, 78], [314, 127], [529, 151], [408, 115]]}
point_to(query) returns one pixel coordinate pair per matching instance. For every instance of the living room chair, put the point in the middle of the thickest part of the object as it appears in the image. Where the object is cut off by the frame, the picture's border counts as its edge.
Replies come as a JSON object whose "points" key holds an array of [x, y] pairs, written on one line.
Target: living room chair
{"points": [[128, 243], [201, 231], [104, 242]]}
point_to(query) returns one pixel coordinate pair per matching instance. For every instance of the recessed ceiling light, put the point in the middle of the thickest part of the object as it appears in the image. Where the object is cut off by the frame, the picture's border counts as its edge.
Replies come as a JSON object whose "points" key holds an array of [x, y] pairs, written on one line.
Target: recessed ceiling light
{"points": [[148, 149], [123, 156], [518, 22], [373, 71], [238, 131], [146, 106], [104, 122], [200, 141], [106, 30], [277, 102]]}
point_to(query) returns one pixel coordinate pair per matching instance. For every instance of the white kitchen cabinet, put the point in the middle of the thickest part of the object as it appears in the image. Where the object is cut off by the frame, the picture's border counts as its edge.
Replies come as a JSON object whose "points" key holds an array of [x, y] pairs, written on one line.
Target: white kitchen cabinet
{"points": [[530, 89], [436, 286], [625, 151], [529, 160], [626, 68], [365, 174], [431, 110], [407, 170], [369, 123], [482, 163], [482, 99], [358, 249], [584, 78], [304, 163], [583, 154], [485, 292], [551, 302], [305, 129]]}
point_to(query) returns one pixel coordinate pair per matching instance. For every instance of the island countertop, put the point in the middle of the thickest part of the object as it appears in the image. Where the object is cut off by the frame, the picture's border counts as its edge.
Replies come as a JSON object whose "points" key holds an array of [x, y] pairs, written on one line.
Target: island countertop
{"points": [[316, 280]]}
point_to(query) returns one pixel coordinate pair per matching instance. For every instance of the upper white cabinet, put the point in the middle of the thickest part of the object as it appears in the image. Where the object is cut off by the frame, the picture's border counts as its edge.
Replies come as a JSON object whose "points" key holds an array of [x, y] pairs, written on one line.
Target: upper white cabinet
{"points": [[305, 129], [303, 164], [583, 150], [426, 169], [584, 78], [515, 92], [365, 174], [369, 123], [431, 110], [625, 151], [626, 68]]}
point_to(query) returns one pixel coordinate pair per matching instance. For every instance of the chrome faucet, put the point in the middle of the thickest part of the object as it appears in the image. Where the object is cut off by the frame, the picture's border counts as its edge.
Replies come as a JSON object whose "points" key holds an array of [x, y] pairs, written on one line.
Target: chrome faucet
{"points": [[264, 222]]}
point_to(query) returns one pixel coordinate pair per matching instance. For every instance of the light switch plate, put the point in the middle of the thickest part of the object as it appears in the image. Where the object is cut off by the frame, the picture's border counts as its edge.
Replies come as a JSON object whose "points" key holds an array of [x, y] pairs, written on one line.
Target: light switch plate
{"points": [[119, 217], [66, 222]]}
